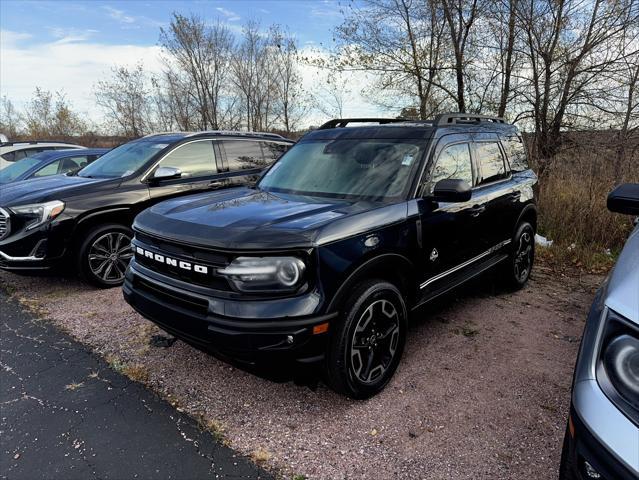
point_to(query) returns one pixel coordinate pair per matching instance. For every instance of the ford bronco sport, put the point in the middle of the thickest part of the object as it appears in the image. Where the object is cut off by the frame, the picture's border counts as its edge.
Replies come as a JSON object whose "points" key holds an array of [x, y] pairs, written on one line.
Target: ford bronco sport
{"points": [[323, 259]]}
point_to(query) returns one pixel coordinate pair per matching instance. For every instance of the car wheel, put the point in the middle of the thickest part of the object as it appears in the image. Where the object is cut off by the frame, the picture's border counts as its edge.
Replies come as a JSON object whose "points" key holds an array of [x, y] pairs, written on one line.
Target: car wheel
{"points": [[366, 346], [104, 255], [517, 269]]}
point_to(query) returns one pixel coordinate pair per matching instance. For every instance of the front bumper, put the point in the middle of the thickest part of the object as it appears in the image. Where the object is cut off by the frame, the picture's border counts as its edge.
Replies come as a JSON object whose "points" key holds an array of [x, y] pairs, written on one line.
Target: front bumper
{"points": [[249, 336], [39, 249], [583, 447]]}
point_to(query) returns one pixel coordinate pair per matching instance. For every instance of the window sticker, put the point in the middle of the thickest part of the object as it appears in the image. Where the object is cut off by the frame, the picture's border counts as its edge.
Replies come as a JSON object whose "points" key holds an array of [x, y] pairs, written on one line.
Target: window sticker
{"points": [[407, 160]]}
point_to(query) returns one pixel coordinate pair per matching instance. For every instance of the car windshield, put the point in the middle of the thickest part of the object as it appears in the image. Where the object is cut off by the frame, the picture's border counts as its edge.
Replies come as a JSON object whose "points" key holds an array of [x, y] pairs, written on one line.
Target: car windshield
{"points": [[123, 160], [13, 171], [374, 169]]}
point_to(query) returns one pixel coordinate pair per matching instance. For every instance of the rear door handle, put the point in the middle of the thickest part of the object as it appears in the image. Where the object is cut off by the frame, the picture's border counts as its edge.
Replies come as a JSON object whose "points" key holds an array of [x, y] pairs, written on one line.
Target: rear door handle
{"points": [[477, 210], [515, 196], [216, 183]]}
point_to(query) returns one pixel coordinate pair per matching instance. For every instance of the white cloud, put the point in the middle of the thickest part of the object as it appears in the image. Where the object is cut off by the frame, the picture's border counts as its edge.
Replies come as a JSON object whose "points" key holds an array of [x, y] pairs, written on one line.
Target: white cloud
{"points": [[70, 66], [230, 15], [119, 15]]}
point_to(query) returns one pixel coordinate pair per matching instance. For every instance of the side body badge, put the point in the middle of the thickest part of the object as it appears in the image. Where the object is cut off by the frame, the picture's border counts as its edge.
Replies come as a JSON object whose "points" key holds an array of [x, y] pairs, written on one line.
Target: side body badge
{"points": [[434, 255]]}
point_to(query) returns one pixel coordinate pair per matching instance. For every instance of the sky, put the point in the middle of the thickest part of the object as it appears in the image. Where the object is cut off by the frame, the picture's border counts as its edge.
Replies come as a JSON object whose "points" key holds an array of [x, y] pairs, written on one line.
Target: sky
{"points": [[69, 46]]}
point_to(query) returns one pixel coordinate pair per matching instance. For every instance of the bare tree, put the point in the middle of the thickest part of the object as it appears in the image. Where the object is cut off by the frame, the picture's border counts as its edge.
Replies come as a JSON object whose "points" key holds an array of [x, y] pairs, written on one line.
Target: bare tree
{"points": [[126, 100], [49, 114], [10, 119], [198, 55]]}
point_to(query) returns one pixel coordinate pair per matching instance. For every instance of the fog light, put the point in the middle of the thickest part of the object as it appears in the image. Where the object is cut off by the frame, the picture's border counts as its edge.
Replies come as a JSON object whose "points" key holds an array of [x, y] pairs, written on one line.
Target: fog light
{"points": [[590, 471]]}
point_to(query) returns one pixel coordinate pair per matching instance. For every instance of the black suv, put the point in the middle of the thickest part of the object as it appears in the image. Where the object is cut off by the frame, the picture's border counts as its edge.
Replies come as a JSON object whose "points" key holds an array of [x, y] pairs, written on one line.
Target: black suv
{"points": [[84, 220], [323, 259]]}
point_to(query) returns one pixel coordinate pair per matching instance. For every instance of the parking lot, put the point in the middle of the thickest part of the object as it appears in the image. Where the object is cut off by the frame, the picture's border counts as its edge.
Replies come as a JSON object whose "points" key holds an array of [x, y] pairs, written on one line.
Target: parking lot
{"points": [[482, 391]]}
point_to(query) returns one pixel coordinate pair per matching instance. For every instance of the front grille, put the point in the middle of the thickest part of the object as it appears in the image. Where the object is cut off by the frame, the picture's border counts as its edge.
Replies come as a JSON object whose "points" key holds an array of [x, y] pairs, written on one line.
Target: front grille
{"points": [[182, 300], [170, 258], [5, 224]]}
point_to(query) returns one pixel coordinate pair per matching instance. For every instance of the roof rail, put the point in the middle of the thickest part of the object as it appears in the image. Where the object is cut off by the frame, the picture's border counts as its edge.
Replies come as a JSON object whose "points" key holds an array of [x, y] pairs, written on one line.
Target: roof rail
{"points": [[34, 142], [457, 118], [342, 122]]}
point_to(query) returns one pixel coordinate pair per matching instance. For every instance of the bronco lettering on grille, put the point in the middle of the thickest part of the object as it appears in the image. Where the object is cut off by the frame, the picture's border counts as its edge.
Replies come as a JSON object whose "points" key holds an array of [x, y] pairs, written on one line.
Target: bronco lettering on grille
{"points": [[172, 261]]}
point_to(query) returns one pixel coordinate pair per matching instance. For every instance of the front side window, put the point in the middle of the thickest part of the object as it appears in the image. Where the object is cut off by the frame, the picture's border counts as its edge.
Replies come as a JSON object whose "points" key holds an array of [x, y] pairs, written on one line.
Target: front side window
{"points": [[244, 155], [375, 169], [123, 160], [195, 159], [453, 163], [73, 163], [491, 162]]}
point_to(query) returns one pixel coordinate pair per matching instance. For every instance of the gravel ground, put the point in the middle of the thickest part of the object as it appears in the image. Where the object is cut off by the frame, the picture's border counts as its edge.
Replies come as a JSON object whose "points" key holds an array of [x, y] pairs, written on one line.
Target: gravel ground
{"points": [[482, 391]]}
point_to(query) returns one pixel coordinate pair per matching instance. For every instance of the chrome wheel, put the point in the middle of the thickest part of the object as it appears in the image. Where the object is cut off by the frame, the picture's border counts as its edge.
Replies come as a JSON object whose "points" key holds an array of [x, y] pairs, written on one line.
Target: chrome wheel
{"points": [[524, 257], [109, 255], [374, 341]]}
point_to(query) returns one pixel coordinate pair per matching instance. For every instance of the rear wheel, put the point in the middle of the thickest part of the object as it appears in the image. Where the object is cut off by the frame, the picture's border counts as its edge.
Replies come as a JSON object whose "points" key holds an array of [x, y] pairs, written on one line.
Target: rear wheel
{"points": [[366, 347], [105, 254], [517, 269]]}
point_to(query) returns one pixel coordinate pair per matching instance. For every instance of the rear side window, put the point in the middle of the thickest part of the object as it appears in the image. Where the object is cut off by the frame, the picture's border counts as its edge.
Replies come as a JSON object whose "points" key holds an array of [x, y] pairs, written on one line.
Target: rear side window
{"points": [[453, 163], [73, 163], [516, 152], [491, 162], [244, 155], [195, 159]]}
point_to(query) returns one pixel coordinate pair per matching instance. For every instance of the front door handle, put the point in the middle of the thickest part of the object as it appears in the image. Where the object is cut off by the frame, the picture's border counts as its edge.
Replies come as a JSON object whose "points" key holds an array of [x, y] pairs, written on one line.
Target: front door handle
{"points": [[515, 196], [216, 183], [477, 210]]}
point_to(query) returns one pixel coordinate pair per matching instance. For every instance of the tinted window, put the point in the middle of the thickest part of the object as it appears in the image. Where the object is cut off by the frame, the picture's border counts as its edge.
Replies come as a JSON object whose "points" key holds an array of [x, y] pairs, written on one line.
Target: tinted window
{"points": [[516, 152], [244, 155], [273, 151], [194, 159], [346, 168], [9, 156], [491, 161], [50, 169], [453, 163]]}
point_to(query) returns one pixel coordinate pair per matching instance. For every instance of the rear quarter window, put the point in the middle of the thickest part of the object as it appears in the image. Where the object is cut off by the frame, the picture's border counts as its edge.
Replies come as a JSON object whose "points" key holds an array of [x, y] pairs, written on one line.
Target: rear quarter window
{"points": [[516, 151]]}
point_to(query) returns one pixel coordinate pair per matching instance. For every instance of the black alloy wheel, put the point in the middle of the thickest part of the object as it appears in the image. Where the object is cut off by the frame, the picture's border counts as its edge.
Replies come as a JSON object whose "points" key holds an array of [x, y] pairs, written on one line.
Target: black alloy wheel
{"points": [[367, 341]]}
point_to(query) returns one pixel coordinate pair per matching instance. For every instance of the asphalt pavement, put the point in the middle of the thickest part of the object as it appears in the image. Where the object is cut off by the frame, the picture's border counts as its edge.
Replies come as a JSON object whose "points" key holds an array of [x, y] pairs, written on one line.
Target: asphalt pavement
{"points": [[64, 414]]}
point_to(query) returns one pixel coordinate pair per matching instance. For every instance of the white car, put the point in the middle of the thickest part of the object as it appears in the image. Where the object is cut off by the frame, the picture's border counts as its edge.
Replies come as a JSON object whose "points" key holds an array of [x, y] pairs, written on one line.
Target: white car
{"points": [[14, 151]]}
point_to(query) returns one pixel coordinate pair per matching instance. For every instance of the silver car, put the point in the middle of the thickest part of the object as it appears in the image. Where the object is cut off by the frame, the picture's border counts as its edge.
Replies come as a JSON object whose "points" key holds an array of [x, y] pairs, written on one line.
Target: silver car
{"points": [[602, 437]]}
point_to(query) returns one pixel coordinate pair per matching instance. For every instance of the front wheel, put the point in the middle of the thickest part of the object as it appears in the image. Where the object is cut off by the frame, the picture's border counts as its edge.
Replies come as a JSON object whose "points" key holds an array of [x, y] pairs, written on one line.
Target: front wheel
{"points": [[366, 347], [104, 255], [518, 267]]}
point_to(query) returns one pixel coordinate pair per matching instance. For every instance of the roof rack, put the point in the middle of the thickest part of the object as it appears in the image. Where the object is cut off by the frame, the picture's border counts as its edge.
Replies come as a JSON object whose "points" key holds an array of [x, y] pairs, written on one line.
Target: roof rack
{"points": [[34, 142], [342, 122], [244, 134], [461, 118]]}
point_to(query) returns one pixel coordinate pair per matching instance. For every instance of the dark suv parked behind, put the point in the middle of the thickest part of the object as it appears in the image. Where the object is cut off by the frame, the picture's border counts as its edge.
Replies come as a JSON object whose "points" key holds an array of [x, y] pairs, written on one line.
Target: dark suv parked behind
{"points": [[84, 220], [350, 230]]}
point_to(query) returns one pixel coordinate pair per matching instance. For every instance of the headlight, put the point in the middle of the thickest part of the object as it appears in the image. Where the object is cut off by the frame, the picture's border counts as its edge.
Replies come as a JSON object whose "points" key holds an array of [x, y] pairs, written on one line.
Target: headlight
{"points": [[618, 369], [263, 274], [38, 214]]}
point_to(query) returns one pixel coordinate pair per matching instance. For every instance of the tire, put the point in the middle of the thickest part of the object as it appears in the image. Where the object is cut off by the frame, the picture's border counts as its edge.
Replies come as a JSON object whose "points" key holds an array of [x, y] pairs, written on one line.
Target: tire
{"points": [[517, 268], [104, 254], [566, 470], [373, 306]]}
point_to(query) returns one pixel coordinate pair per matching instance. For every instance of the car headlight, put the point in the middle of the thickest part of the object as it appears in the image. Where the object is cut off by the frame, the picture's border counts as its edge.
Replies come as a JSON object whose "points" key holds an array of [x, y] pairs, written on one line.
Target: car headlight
{"points": [[263, 274], [618, 370], [39, 213]]}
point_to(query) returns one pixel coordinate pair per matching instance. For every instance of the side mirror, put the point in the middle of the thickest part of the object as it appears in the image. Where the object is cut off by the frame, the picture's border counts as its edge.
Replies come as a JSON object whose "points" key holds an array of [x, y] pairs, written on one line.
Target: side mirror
{"points": [[166, 173], [624, 199], [452, 190]]}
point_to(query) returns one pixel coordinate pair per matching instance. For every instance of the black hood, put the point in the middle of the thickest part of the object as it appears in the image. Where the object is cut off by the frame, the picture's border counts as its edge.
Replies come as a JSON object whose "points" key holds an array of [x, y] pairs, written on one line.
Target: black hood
{"points": [[245, 218], [56, 187]]}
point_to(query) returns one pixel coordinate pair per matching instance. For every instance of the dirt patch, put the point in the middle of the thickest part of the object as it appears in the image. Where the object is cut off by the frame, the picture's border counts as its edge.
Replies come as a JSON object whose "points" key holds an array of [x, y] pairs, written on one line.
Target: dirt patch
{"points": [[482, 391]]}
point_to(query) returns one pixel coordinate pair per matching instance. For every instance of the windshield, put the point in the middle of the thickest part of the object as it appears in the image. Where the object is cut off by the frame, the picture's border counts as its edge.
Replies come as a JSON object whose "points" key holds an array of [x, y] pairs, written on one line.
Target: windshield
{"points": [[353, 168], [13, 171], [123, 160]]}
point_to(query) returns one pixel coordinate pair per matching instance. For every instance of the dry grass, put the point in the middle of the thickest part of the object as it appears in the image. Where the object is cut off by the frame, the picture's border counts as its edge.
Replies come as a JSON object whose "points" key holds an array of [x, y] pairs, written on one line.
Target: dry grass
{"points": [[572, 204]]}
